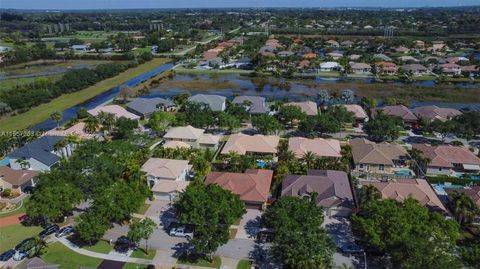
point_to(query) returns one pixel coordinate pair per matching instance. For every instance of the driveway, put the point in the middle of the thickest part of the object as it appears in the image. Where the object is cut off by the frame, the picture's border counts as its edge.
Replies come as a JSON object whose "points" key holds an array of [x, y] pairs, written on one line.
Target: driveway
{"points": [[339, 229], [161, 212], [249, 225]]}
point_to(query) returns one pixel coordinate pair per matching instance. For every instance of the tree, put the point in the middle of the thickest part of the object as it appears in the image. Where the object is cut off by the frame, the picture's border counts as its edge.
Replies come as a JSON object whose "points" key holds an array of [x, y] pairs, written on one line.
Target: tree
{"points": [[419, 161], [308, 125], [91, 125], [124, 127], [212, 210], [410, 234], [327, 123], [91, 227], [444, 128], [159, 121], [56, 117], [53, 202], [463, 207], [323, 97], [24, 164], [181, 99], [309, 159], [369, 193], [347, 96], [383, 128], [230, 122], [266, 124], [141, 230], [288, 114], [126, 92], [470, 256], [39, 247], [299, 241]]}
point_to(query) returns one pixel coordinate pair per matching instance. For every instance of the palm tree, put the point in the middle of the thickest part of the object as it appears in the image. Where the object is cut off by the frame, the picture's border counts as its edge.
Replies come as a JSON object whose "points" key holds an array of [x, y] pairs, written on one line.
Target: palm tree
{"points": [[418, 161], [24, 164], [309, 159], [287, 156], [369, 193], [462, 207], [108, 122], [39, 245], [91, 125], [56, 117]]}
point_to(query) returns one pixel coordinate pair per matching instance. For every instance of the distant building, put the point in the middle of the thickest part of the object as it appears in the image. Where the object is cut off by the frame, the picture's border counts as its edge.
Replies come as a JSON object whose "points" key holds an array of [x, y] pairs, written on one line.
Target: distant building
{"points": [[145, 107], [215, 102], [253, 104]]}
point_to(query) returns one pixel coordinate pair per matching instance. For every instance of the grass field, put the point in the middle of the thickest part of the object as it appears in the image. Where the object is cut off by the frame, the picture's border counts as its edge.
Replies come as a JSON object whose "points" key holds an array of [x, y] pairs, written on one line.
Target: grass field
{"points": [[244, 264], [100, 247], [57, 253], [200, 261], [10, 83], [138, 253], [134, 266], [43, 111], [43, 66], [11, 235]]}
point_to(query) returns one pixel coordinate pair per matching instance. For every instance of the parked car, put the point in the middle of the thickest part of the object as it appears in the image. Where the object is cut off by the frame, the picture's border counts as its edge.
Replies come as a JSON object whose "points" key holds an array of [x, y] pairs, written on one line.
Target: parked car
{"points": [[28, 189], [351, 248], [181, 231], [162, 142], [50, 229], [123, 244], [64, 231], [24, 249], [7, 255], [24, 242]]}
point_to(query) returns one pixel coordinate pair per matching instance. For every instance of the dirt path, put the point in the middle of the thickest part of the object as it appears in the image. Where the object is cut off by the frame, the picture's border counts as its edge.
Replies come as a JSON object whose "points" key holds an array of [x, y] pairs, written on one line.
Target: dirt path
{"points": [[10, 220]]}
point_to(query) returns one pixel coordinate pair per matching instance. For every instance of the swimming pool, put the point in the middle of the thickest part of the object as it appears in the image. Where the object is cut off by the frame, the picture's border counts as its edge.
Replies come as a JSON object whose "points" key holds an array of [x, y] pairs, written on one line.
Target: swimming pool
{"points": [[261, 163], [440, 188], [5, 162], [403, 173]]}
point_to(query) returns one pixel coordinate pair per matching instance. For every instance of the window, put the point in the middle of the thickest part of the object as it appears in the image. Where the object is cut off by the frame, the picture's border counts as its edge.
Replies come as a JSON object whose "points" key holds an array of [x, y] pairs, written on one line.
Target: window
{"points": [[361, 166], [381, 167], [439, 169]]}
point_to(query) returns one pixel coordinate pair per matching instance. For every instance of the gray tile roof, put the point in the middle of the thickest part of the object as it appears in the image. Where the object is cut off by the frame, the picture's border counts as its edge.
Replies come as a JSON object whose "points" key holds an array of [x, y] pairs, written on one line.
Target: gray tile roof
{"points": [[258, 105], [215, 102], [146, 106], [39, 150]]}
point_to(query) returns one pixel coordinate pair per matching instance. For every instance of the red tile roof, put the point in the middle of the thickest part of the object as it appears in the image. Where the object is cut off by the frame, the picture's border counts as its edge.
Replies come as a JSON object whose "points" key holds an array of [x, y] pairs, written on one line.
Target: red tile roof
{"points": [[251, 186]]}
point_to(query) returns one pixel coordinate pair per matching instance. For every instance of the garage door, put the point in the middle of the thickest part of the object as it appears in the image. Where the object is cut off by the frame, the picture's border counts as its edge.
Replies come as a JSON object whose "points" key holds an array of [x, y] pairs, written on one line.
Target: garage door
{"points": [[162, 196], [253, 206]]}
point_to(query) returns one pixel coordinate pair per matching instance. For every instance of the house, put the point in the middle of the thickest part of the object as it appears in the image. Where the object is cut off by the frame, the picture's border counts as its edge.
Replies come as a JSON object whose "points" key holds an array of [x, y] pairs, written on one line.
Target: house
{"points": [[285, 54], [401, 49], [354, 57], [253, 186], [75, 130], [308, 107], [347, 43], [16, 179], [145, 107], [401, 189], [407, 116], [167, 177], [304, 64], [251, 144], [194, 137], [39, 155], [386, 68], [471, 70], [332, 188], [449, 160], [415, 69], [419, 44], [473, 192], [332, 43], [360, 68], [330, 66], [215, 102], [37, 263], [319, 146], [450, 69], [335, 55], [408, 58], [456, 60], [360, 114], [431, 113], [382, 57], [377, 158], [310, 55], [115, 110], [253, 104], [79, 47]]}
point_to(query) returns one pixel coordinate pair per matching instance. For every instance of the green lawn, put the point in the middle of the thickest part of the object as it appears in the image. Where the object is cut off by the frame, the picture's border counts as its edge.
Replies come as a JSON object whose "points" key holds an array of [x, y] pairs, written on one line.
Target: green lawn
{"points": [[101, 247], [143, 209], [19, 208], [244, 264], [10, 83], [10, 236], [138, 253], [43, 111], [200, 261], [134, 266], [57, 253], [37, 66]]}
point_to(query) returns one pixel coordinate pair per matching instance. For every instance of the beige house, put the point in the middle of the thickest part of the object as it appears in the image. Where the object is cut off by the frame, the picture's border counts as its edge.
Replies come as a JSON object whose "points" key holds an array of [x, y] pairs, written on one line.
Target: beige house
{"points": [[318, 146], [248, 144], [360, 114], [16, 179], [115, 110], [167, 177], [401, 189], [372, 159], [308, 107], [194, 137]]}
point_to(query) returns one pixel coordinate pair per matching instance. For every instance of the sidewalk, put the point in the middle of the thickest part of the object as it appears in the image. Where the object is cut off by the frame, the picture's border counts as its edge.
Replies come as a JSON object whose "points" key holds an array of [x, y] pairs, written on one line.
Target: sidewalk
{"points": [[10, 220], [111, 256]]}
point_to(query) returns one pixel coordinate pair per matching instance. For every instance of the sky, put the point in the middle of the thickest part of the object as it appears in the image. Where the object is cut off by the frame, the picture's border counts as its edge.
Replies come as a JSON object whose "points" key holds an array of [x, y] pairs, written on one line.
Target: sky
{"points": [[123, 4]]}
